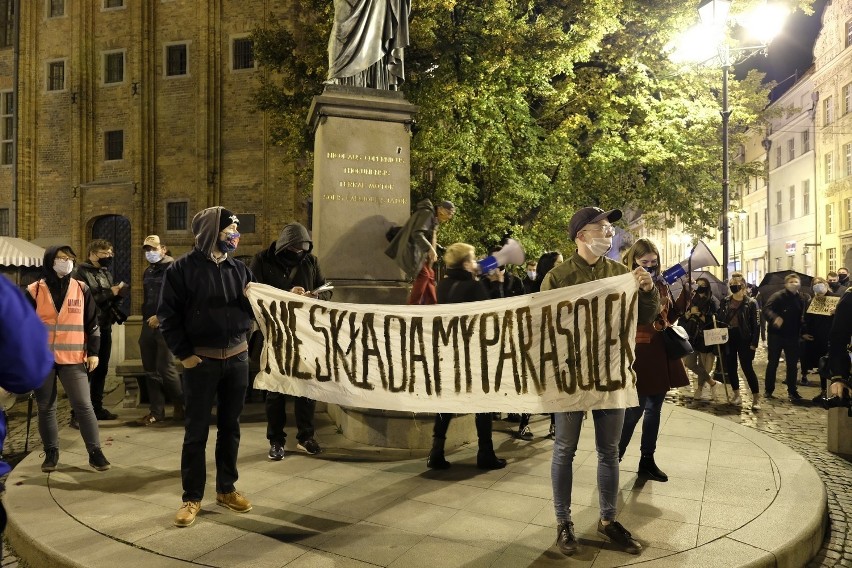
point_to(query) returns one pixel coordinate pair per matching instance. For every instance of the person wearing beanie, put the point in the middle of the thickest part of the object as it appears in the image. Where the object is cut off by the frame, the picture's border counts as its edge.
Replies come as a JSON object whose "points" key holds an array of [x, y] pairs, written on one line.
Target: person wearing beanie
{"points": [[414, 248], [205, 318], [289, 265]]}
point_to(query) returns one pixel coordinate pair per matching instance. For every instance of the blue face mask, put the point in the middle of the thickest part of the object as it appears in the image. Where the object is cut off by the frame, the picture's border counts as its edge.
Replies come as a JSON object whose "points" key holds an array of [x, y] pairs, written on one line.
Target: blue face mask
{"points": [[229, 245]]}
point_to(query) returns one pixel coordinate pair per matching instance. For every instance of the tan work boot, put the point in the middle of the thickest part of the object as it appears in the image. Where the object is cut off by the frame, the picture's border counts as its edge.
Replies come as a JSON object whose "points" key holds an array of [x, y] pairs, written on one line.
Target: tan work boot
{"points": [[234, 501], [187, 513]]}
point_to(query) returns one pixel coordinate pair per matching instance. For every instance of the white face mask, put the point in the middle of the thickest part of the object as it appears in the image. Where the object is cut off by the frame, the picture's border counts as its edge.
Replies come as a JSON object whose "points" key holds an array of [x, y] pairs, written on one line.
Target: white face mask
{"points": [[599, 246], [153, 256], [63, 267], [531, 274], [820, 288]]}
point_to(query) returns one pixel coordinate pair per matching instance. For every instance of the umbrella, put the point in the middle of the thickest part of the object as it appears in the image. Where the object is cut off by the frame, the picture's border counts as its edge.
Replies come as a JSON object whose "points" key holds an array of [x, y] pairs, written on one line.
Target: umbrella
{"points": [[18, 252], [774, 281], [718, 288]]}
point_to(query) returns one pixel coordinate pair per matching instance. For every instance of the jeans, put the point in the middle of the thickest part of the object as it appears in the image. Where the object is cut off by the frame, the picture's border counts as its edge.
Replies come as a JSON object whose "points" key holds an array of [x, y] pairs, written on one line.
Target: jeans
{"points": [[701, 364], [276, 417], [163, 377], [650, 406], [97, 378], [225, 381], [608, 426], [76, 385], [739, 348], [775, 345]]}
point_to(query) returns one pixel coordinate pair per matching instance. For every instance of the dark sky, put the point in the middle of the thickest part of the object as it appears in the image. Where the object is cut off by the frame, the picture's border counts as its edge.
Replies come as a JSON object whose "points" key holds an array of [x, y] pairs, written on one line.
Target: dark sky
{"points": [[791, 53]]}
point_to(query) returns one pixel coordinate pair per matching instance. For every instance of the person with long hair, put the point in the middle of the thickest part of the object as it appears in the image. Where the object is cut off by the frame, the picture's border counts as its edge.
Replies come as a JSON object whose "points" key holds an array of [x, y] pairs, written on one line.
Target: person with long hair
{"points": [[739, 312], [656, 372]]}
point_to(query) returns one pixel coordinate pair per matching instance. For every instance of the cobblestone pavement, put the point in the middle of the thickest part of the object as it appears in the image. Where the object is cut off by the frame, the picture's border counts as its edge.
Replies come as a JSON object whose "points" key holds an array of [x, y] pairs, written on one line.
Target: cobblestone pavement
{"points": [[801, 427], [804, 429]]}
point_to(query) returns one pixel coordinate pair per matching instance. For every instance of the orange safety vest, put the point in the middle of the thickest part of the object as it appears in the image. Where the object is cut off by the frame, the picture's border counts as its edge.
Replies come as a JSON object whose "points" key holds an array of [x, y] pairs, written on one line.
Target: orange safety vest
{"points": [[66, 335]]}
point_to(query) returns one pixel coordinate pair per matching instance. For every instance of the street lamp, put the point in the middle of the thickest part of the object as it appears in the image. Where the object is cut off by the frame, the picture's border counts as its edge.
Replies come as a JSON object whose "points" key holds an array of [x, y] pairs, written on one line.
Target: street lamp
{"points": [[763, 23]]}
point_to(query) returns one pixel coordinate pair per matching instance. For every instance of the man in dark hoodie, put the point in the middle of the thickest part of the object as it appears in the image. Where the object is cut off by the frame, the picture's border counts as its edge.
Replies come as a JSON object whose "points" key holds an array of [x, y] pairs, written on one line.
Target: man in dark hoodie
{"points": [[414, 248], [205, 317], [66, 307], [98, 278], [159, 363], [289, 265]]}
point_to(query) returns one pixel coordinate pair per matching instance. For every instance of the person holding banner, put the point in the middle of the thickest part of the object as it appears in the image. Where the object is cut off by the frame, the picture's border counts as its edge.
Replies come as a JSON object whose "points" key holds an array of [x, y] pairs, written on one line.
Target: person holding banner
{"points": [[816, 325], [739, 312], [414, 248], [699, 315], [205, 318], [461, 285], [591, 229], [289, 265], [656, 372]]}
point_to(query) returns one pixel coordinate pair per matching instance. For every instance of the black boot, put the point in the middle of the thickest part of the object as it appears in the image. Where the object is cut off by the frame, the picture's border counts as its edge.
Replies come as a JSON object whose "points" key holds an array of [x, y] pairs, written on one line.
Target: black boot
{"points": [[485, 457], [436, 456], [649, 469]]}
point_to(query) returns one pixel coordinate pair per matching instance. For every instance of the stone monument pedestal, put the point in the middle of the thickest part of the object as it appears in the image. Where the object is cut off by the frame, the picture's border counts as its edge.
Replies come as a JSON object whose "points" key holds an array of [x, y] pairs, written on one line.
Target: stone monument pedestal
{"points": [[362, 172]]}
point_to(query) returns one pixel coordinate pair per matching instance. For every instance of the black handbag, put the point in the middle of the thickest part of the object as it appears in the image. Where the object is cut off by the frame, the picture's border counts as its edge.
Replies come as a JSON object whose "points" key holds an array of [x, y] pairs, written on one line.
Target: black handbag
{"points": [[676, 341]]}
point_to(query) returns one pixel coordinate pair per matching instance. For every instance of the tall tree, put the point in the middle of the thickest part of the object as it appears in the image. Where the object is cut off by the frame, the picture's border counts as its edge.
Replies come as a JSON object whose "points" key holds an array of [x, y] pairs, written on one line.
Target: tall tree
{"points": [[530, 109]]}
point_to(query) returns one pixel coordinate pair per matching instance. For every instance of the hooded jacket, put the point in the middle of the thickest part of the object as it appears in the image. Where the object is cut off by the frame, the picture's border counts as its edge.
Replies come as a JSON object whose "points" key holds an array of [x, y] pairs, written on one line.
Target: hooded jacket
{"points": [[202, 302], [270, 267], [58, 288], [411, 245]]}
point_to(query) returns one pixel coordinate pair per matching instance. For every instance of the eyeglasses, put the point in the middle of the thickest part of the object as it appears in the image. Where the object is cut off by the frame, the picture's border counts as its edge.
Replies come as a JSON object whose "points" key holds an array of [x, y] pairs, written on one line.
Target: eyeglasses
{"points": [[607, 230]]}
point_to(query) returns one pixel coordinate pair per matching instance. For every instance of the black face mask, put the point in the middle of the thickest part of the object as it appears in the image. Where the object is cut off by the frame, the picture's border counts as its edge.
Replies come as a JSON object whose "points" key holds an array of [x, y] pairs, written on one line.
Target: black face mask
{"points": [[292, 258], [736, 288], [105, 262], [834, 286], [843, 278], [702, 290]]}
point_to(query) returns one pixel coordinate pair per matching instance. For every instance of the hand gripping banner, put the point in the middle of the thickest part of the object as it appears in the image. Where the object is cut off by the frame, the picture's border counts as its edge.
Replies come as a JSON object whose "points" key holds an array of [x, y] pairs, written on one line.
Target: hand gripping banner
{"points": [[560, 350]]}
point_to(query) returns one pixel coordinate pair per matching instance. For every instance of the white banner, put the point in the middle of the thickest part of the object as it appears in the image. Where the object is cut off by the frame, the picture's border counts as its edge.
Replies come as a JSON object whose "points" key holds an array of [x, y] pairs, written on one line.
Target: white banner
{"points": [[561, 350]]}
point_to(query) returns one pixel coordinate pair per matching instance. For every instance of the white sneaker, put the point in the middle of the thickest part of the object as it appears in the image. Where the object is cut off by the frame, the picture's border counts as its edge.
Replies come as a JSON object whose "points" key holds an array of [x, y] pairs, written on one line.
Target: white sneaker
{"points": [[755, 401], [716, 391], [737, 400], [699, 390]]}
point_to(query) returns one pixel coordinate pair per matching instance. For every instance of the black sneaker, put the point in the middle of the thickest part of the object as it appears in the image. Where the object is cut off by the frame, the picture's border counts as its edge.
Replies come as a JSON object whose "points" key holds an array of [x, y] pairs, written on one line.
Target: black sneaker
{"points": [[51, 458], [768, 395], [437, 461], [309, 446], [525, 433], [104, 414], [98, 461], [819, 399], [566, 540], [276, 452], [617, 534], [804, 381], [795, 397]]}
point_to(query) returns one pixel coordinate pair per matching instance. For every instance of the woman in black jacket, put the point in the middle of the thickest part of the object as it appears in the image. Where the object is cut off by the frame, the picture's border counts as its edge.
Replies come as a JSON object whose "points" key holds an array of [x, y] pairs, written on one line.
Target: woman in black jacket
{"points": [[460, 285], [739, 312]]}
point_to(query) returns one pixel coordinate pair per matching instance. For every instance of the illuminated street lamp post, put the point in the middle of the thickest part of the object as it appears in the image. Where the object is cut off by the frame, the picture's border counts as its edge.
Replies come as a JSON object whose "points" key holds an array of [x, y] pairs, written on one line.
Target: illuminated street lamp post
{"points": [[764, 23]]}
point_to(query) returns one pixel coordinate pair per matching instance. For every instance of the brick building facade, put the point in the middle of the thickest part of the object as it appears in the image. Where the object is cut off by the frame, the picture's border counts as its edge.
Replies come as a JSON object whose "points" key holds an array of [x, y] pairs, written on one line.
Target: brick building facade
{"points": [[132, 116]]}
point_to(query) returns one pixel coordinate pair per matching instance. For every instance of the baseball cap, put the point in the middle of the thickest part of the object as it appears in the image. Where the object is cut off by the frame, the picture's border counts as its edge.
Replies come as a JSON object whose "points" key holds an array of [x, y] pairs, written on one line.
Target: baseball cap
{"points": [[588, 215], [151, 241]]}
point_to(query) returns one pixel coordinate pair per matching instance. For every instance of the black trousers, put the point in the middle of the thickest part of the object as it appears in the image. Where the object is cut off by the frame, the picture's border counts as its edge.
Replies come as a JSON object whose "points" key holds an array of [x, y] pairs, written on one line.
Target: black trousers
{"points": [[97, 378], [276, 417], [790, 346], [738, 347], [483, 421], [224, 381]]}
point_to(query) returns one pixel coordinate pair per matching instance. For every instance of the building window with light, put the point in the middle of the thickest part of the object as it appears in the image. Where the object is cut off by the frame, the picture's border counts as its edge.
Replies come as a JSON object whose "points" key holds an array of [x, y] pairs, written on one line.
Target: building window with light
{"points": [[849, 33], [806, 141], [847, 152], [847, 217], [829, 218], [7, 23], [828, 111], [831, 256], [829, 168], [756, 226], [791, 149], [806, 197], [778, 156]]}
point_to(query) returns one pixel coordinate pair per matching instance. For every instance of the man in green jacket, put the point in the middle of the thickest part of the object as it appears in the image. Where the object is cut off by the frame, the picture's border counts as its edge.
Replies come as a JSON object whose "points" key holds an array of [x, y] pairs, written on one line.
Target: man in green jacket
{"points": [[591, 229]]}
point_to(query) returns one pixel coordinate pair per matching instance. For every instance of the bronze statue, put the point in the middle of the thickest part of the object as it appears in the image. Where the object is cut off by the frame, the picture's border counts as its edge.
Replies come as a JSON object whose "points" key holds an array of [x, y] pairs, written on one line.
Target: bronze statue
{"points": [[366, 44]]}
